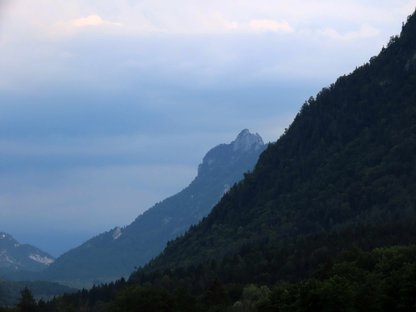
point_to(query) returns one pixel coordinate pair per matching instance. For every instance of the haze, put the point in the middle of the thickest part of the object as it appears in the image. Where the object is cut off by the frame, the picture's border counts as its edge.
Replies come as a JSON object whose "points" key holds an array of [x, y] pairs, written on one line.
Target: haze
{"points": [[107, 107]]}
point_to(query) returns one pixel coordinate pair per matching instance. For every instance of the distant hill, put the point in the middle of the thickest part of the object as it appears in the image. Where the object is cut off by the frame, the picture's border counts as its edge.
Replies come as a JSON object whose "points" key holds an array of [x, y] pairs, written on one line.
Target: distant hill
{"points": [[16, 257], [116, 253]]}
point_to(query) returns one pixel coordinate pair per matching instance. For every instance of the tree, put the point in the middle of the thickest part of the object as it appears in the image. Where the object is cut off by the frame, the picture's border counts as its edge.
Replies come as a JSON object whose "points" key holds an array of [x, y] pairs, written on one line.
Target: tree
{"points": [[27, 303]]}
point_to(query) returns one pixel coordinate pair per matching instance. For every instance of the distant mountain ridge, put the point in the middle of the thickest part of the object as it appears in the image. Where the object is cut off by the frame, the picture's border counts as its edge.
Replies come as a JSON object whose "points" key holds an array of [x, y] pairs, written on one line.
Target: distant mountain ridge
{"points": [[16, 257], [117, 252]]}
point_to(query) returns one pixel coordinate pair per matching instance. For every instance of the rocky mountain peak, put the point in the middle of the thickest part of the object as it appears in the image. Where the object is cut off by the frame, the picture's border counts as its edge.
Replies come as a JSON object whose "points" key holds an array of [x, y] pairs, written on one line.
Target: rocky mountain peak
{"points": [[16, 257], [117, 252], [247, 140], [245, 145]]}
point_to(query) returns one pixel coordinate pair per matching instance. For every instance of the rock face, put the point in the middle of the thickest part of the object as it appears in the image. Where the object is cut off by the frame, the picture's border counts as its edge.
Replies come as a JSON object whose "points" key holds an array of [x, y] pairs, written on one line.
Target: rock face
{"points": [[16, 257], [247, 141], [233, 156], [117, 252]]}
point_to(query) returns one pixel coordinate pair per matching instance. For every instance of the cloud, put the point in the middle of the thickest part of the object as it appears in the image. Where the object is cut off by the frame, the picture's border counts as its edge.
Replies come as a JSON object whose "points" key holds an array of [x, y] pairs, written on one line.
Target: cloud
{"points": [[224, 23], [366, 31], [89, 21], [268, 25], [196, 18]]}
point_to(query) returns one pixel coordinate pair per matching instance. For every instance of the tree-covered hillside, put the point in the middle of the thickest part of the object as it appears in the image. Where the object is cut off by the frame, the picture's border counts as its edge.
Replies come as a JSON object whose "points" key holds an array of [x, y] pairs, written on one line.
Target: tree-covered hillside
{"points": [[380, 280], [383, 279], [116, 253], [10, 292], [317, 225], [343, 173]]}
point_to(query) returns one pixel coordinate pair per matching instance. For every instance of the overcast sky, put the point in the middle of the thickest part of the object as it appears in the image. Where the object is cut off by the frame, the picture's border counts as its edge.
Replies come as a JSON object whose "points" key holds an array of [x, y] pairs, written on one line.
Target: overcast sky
{"points": [[108, 106]]}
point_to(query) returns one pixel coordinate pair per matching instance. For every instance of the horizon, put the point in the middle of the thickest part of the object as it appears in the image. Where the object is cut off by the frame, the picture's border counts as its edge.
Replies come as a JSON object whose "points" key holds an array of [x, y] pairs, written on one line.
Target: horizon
{"points": [[94, 97]]}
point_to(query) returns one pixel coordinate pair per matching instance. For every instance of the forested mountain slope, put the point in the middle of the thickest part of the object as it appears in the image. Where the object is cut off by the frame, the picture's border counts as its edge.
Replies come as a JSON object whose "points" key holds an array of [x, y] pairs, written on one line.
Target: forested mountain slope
{"points": [[10, 291], [315, 226], [344, 173], [116, 253]]}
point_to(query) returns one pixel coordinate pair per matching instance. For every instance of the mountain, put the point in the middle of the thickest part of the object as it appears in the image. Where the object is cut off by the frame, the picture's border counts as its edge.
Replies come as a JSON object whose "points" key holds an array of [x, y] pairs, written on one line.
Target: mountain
{"points": [[325, 222], [116, 253], [16, 257], [343, 174]]}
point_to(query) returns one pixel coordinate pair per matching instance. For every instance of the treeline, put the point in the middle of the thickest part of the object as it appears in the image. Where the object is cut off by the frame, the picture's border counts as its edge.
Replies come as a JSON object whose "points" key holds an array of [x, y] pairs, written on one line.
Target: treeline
{"points": [[10, 292], [383, 279]]}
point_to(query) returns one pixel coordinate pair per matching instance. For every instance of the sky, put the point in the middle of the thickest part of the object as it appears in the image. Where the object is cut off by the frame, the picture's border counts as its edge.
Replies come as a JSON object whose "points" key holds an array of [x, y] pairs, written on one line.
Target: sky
{"points": [[108, 106]]}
